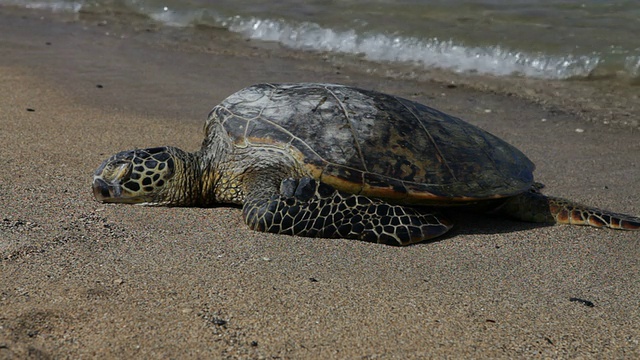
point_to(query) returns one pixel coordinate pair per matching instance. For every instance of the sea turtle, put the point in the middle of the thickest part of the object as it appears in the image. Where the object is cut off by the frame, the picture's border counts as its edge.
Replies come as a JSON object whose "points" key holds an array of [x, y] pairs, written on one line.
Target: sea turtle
{"points": [[323, 160]]}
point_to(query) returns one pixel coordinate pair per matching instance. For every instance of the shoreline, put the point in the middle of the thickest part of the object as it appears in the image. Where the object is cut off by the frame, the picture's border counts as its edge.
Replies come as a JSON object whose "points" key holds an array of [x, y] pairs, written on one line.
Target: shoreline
{"points": [[612, 102], [84, 279]]}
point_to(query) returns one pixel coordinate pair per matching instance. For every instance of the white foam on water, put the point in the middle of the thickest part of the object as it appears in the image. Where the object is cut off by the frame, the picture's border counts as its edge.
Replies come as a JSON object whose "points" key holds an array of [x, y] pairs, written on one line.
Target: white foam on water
{"points": [[434, 52], [632, 65], [172, 17], [56, 6], [430, 53], [377, 47]]}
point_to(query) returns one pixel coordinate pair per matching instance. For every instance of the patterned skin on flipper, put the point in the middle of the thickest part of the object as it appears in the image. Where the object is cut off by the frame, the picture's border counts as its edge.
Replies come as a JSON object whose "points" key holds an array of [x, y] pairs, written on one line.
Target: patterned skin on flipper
{"points": [[310, 208], [535, 207]]}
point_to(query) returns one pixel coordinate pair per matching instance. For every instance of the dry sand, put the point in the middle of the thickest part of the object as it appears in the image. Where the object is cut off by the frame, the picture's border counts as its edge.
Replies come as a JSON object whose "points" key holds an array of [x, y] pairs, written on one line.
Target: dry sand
{"points": [[80, 279]]}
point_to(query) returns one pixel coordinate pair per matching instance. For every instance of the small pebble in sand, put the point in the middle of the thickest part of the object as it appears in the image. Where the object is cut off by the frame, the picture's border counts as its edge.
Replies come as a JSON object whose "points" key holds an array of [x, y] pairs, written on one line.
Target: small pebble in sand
{"points": [[487, 111], [543, 119], [218, 321], [578, 130], [582, 301], [31, 109], [118, 281]]}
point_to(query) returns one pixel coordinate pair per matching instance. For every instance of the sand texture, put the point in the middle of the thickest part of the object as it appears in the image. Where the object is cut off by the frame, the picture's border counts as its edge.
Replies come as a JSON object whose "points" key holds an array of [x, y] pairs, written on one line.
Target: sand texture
{"points": [[81, 279]]}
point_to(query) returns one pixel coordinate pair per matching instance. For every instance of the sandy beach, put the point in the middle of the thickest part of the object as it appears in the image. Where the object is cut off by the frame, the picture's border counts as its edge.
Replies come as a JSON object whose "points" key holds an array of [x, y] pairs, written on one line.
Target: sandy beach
{"points": [[81, 279]]}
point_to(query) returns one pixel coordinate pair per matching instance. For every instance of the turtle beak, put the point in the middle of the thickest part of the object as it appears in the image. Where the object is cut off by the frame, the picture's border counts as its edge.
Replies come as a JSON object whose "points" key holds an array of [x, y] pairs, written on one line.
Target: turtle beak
{"points": [[103, 191], [109, 191]]}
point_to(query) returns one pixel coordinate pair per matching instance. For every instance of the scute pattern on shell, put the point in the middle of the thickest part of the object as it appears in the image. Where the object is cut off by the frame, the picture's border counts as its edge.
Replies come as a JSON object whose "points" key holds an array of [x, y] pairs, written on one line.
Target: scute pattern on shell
{"points": [[379, 145]]}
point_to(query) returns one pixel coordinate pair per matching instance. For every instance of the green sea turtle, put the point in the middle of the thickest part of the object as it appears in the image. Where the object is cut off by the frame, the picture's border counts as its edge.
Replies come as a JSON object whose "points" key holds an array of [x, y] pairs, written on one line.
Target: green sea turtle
{"points": [[324, 160]]}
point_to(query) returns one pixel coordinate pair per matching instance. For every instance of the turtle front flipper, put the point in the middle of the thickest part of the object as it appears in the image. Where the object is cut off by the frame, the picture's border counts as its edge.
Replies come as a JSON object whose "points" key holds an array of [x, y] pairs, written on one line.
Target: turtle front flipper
{"points": [[307, 207], [535, 207]]}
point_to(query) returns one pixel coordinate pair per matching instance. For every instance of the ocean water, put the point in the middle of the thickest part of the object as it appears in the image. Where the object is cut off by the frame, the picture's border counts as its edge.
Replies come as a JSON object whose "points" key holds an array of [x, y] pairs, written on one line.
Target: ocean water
{"points": [[546, 39]]}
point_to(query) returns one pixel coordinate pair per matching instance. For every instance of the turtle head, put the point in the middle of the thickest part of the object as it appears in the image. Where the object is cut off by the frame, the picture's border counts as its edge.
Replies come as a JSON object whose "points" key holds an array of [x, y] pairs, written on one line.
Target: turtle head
{"points": [[154, 176]]}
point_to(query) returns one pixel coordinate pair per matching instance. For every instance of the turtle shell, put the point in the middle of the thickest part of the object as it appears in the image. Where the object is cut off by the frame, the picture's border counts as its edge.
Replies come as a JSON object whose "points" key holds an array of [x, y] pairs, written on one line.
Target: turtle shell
{"points": [[374, 144]]}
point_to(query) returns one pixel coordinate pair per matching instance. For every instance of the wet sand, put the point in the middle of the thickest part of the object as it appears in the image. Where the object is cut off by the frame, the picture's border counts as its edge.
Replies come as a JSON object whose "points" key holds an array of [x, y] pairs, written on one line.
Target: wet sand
{"points": [[84, 279]]}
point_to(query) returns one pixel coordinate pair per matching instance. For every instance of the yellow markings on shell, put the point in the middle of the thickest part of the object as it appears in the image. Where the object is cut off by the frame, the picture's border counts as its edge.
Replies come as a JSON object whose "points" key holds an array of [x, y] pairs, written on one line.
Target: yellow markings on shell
{"points": [[341, 184], [263, 141], [382, 192], [314, 172]]}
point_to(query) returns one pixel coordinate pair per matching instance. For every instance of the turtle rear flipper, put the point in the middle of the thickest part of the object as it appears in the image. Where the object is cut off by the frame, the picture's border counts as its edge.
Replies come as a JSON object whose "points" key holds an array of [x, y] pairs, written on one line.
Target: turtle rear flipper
{"points": [[313, 209], [536, 207]]}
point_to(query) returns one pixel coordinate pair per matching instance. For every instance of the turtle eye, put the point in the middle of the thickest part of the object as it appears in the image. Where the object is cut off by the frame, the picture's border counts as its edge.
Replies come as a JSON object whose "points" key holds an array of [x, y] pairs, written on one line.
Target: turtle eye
{"points": [[122, 171]]}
